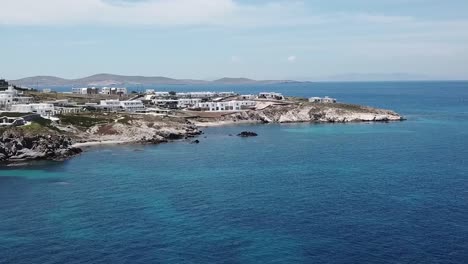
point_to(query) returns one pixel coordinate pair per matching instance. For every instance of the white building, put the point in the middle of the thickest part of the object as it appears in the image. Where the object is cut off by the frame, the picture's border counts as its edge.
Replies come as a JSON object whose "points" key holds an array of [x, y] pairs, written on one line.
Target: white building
{"points": [[11, 121], [113, 90], [10, 97], [162, 94], [62, 102], [226, 106], [88, 90], [271, 96], [41, 109], [149, 91], [196, 95], [188, 102], [227, 94], [116, 105], [110, 105], [166, 103], [324, 100], [248, 97], [133, 106], [154, 95]]}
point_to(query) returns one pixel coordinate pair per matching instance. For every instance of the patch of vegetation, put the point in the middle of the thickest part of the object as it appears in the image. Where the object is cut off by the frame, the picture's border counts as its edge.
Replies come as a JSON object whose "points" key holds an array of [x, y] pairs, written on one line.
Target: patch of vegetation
{"points": [[82, 120], [35, 128], [12, 114], [352, 107], [297, 99]]}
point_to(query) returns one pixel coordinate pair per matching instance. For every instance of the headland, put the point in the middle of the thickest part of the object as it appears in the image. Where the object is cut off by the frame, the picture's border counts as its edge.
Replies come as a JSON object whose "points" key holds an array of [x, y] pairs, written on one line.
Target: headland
{"points": [[56, 126]]}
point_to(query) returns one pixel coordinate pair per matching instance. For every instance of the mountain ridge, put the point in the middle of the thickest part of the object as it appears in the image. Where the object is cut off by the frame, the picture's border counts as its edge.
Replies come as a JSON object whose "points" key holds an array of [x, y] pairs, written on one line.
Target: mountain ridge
{"points": [[106, 79]]}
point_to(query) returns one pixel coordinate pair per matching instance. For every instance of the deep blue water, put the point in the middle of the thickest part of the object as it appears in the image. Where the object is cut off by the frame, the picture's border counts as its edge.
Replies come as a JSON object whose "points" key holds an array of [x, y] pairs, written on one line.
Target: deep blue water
{"points": [[304, 193]]}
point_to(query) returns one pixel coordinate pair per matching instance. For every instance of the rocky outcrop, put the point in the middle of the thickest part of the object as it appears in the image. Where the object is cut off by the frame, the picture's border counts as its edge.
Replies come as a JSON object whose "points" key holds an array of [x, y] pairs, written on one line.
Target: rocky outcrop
{"points": [[247, 134], [14, 147], [310, 112], [143, 129]]}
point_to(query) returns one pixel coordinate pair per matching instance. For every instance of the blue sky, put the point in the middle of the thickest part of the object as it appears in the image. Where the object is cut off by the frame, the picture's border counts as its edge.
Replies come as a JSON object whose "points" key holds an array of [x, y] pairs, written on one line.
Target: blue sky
{"points": [[207, 39]]}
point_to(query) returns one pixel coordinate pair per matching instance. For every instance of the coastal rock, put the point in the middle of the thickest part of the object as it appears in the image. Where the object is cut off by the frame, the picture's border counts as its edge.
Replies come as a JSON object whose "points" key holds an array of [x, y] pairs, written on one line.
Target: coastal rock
{"points": [[247, 134], [309, 112], [140, 128], [20, 147]]}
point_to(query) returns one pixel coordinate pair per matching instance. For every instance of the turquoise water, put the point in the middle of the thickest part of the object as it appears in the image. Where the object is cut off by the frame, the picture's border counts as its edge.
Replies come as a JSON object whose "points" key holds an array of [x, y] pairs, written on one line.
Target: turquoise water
{"points": [[298, 193]]}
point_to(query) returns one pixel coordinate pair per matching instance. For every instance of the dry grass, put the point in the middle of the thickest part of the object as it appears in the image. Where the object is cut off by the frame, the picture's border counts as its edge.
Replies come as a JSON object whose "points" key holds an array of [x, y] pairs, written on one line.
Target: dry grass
{"points": [[79, 98]]}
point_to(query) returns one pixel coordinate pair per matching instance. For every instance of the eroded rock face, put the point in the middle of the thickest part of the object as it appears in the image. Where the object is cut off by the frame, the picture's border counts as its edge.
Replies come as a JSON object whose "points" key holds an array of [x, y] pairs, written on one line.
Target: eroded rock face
{"points": [[18, 147], [143, 131], [330, 113]]}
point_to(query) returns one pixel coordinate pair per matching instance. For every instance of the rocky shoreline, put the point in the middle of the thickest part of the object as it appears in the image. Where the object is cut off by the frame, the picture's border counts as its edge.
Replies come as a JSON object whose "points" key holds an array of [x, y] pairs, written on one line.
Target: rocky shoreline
{"points": [[63, 140], [323, 113], [21, 148]]}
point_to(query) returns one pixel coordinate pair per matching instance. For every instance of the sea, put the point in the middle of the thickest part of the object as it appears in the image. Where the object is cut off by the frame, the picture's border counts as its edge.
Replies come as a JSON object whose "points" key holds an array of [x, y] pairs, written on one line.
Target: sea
{"points": [[297, 193]]}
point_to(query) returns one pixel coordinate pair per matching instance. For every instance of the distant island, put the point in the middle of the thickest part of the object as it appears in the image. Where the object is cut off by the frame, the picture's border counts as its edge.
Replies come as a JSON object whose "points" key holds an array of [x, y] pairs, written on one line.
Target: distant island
{"points": [[112, 79]]}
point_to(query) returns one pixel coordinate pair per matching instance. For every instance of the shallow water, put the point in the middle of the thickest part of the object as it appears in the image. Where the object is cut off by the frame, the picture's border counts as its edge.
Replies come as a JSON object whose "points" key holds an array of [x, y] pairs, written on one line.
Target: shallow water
{"points": [[298, 193]]}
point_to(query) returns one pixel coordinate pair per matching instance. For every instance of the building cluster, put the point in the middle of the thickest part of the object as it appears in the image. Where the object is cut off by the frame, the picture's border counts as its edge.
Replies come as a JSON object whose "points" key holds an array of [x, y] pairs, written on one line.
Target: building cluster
{"points": [[12, 99], [10, 96], [271, 96], [208, 101], [322, 100], [132, 106], [103, 90], [47, 109]]}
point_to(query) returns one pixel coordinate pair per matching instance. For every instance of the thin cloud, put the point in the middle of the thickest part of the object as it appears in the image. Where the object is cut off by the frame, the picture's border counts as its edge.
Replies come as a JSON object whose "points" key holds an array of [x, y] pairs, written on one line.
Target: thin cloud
{"points": [[292, 59], [173, 13], [235, 59], [150, 12]]}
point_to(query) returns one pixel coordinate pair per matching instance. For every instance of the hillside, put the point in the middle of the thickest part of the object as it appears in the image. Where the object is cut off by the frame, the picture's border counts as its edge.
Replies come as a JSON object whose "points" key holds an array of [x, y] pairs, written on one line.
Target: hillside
{"points": [[112, 79]]}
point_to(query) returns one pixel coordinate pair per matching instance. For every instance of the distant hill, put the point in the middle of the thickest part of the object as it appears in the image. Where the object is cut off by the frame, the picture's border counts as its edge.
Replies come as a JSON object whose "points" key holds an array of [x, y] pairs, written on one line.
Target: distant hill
{"points": [[111, 80], [356, 77]]}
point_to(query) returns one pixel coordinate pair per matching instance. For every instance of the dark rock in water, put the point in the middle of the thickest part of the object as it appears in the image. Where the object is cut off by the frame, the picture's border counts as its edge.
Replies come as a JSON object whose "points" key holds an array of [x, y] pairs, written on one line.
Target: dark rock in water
{"points": [[195, 142], [231, 135], [247, 134], [173, 136]]}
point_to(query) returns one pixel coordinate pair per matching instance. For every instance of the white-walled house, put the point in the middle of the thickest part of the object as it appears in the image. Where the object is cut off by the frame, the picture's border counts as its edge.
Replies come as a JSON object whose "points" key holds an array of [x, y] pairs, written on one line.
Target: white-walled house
{"points": [[155, 95], [323, 100], [116, 105], [227, 94], [162, 94], [226, 106], [88, 90], [271, 96], [42, 109], [166, 103], [188, 102], [248, 97], [113, 90], [133, 106], [196, 95], [11, 121], [11, 97], [110, 105]]}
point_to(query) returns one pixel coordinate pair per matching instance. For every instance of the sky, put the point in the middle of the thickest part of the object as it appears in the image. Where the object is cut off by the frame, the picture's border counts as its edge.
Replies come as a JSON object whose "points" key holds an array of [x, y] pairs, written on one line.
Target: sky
{"points": [[209, 39]]}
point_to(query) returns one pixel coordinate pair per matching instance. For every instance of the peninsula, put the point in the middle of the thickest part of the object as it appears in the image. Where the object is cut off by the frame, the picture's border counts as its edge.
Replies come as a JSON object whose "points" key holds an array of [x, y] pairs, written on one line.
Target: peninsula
{"points": [[50, 125]]}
